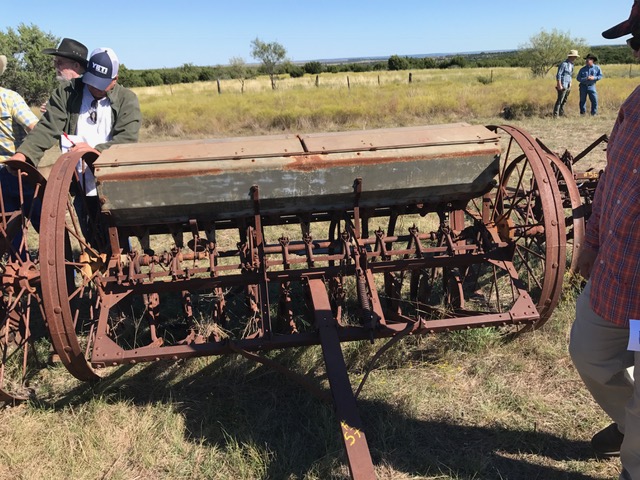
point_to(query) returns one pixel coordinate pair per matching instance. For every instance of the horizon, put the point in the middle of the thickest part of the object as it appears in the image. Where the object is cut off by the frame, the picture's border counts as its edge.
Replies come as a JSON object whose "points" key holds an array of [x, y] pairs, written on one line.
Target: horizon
{"points": [[375, 58]]}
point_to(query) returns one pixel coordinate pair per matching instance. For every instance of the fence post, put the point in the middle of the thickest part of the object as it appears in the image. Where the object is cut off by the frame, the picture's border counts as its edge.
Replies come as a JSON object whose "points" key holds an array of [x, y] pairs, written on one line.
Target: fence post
{"points": [[410, 77], [378, 79], [348, 83], [218, 82], [491, 76], [317, 80]]}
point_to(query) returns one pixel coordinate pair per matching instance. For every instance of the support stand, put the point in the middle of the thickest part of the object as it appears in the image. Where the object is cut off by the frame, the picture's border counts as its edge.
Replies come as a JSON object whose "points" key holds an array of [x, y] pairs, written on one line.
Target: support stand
{"points": [[355, 442]]}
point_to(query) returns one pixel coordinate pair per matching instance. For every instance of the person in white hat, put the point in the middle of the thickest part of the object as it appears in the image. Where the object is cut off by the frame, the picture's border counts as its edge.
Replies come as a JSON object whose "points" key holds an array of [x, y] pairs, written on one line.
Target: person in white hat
{"points": [[563, 82], [93, 109]]}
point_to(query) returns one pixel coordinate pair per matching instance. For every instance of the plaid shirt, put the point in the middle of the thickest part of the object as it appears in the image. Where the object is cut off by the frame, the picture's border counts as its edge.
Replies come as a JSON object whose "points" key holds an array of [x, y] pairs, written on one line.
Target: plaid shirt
{"points": [[15, 117], [565, 71], [614, 227]]}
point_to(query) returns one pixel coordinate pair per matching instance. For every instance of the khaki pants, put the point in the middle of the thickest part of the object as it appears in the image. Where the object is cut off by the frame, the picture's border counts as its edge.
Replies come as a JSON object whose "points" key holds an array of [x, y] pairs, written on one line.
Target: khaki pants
{"points": [[598, 349]]}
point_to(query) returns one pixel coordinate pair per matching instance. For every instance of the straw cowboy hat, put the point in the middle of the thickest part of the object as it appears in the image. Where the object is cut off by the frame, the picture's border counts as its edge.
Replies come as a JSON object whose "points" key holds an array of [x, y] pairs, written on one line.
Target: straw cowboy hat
{"points": [[573, 53], [3, 64]]}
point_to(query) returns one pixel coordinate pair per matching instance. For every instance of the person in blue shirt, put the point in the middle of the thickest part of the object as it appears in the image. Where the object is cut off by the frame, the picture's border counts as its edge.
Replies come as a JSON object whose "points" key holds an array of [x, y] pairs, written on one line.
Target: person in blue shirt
{"points": [[588, 76], [563, 82]]}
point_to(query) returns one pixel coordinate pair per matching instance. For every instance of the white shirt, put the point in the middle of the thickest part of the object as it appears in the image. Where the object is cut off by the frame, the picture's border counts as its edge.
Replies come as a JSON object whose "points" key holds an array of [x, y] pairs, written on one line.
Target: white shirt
{"points": [[93, 132]]}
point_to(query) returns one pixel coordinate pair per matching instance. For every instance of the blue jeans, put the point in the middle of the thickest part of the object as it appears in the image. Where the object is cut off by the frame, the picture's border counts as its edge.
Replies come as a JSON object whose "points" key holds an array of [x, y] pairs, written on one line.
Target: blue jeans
{"points": [[589, 91], [11, 199]]}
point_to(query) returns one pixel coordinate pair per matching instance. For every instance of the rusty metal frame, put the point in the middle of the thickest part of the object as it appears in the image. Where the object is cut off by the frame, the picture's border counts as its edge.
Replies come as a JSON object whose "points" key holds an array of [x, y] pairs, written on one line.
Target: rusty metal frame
{"points": [[317, 265]]}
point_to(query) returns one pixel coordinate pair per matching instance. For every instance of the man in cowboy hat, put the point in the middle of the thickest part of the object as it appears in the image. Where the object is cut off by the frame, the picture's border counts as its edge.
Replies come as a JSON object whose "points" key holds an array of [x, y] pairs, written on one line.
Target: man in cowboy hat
{"points": [[93, 110], [95, 107], [588, 76], [69, 60], [563, 82], [605, 339]]}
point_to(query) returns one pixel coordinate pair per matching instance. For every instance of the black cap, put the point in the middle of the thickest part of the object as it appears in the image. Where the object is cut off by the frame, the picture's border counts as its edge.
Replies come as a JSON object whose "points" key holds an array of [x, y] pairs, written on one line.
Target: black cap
{"points": [[71, 49], [630, 25]]}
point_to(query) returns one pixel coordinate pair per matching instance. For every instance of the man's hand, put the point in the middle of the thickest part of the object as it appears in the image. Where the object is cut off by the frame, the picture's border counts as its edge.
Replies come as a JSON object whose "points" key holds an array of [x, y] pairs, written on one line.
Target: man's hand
{"points": [[16, 156], [586, 259], [82, 145]]}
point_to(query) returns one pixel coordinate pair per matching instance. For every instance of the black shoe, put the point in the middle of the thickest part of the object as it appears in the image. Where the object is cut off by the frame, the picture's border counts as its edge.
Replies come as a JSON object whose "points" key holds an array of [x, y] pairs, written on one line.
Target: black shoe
{"points": [[606, 443]]}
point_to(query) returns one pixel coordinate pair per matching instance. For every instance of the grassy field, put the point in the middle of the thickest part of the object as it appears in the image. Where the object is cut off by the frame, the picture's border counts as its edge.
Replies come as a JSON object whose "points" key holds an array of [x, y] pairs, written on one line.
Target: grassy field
{"points": [[466, 405]]}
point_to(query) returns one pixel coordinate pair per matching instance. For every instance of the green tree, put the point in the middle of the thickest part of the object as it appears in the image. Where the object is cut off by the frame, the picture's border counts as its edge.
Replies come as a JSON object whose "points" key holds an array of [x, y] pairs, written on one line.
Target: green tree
{"points": [[270, 54], [546, 50], [130, 78], [313, 68], [152, 78], [207, 74], [238, 69], [29, 72], [294, 71], [170, 76], [189, 73], [396, 62]]}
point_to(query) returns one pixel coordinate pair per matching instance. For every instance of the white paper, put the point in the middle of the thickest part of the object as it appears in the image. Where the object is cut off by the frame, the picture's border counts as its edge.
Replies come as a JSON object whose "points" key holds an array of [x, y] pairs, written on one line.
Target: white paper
{"points": [[634, 336], [68, 141], [87, 180]]}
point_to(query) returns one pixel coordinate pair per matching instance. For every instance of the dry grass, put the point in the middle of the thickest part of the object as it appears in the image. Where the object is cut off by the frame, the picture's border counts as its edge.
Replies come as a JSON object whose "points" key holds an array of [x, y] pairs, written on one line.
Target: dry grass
{"points": [[434, 96], [458, 406]]}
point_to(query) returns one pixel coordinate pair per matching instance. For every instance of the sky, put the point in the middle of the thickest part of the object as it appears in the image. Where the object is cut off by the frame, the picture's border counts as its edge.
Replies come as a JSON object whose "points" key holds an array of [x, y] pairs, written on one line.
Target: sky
{"points": [[148, 34]]}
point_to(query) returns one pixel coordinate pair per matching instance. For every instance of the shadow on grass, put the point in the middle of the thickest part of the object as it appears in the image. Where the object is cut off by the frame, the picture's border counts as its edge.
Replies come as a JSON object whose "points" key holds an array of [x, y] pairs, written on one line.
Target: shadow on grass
{"points": [[233, 400]]}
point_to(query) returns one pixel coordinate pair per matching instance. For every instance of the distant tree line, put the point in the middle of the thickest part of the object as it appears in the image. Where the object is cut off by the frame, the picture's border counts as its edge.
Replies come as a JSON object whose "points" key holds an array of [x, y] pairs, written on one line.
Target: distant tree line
{"points": [[618, 54]]}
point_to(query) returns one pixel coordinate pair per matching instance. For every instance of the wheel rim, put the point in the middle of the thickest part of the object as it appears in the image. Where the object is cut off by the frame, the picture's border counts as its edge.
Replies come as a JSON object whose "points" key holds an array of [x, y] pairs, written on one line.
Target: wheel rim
{"points": [[69, 293], [530, 195], [21, 315], [573, 208]]}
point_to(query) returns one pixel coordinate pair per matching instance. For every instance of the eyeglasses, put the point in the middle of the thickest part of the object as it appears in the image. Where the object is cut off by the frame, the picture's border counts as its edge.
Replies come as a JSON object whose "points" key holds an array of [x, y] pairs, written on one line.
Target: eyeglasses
{"points": [[93, 111]]}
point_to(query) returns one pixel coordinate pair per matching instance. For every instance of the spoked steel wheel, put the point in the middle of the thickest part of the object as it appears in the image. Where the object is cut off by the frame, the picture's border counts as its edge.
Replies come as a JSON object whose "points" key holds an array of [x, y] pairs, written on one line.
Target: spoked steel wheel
{"points": [[72, 263], [574, 210], [527, 212], [21, 318]]}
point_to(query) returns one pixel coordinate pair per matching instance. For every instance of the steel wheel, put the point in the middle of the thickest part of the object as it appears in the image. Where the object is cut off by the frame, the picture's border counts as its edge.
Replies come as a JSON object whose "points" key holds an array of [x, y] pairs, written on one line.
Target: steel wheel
{"points": [[527, 211], [71, 265], [21, 320], [574, 211]]}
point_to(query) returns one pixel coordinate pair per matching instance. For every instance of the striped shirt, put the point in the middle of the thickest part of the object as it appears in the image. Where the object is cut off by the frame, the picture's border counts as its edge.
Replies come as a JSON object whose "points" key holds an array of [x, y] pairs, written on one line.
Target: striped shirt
{"points": [[613, 229], [15, 118]]}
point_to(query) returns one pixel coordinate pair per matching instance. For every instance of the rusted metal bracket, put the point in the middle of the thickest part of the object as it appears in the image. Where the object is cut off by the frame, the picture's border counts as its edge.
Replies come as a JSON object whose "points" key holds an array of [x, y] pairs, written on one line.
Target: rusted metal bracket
{"points": [[353, 436]]}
